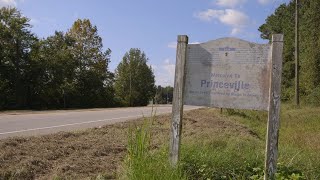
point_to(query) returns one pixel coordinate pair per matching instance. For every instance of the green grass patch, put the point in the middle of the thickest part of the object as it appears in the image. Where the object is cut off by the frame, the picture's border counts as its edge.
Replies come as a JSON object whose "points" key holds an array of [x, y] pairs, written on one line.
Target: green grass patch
{"points": [[141, 161], [299, 135], [227, 156]]}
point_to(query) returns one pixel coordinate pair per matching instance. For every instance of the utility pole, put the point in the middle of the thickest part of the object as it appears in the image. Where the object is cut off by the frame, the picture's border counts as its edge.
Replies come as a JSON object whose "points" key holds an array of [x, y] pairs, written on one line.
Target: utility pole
{"points": [[130, 85], [297, 100], [167, 94]]}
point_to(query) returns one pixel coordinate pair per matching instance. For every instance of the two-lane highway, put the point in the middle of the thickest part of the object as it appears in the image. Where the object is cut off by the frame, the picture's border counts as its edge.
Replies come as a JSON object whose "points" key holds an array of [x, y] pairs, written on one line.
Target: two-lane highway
{"points": [[26, 124]]}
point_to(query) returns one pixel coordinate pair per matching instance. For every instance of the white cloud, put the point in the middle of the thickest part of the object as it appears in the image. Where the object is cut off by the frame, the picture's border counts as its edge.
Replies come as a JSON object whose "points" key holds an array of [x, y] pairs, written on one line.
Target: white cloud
{"points": [[34, 21], [234, 18], [169, 67], [154, 67], [236, 31], [172, 45], [231, 17], [230, 3], [44, 21], [264, 2], [4, 3], [165, 73], [209, 14], [195, 42]]}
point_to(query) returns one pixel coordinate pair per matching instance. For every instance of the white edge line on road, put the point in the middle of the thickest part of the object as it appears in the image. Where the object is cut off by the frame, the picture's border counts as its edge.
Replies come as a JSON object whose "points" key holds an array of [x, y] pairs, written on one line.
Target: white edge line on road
{"points": [[51, 127], [87, 122]]}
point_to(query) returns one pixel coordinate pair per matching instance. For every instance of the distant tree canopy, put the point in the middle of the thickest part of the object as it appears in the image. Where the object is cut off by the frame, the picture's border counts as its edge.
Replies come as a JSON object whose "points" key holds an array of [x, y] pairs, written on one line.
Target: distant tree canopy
{"points": [[164, 95], [65, 70], [134, 79], [282, 21]]}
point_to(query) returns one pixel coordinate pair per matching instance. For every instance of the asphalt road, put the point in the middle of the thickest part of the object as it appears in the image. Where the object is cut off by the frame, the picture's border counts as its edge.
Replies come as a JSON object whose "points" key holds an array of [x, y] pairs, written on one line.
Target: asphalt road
{"points": [[46, 122]]}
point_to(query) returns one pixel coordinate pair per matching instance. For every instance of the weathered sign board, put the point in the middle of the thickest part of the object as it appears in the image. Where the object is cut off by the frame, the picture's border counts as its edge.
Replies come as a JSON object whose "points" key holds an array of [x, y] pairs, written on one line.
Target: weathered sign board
{"points": [[229, 73]]}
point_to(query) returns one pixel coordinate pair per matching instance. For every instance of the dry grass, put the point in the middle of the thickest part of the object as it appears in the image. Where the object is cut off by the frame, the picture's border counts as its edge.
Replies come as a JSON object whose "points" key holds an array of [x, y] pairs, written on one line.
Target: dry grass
{"points": [[73, 155], [100, 151]]}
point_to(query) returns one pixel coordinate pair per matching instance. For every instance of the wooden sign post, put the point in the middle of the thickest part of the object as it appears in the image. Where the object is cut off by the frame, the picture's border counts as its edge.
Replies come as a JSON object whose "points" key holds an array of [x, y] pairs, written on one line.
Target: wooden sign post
{"points": [[274, 108], [229, 73], [177, 103]]}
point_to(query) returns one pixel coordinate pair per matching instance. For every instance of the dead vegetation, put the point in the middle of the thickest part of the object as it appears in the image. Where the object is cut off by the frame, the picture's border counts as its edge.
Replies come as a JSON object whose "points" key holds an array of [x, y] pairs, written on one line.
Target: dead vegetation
{"points": [[99, 151]]}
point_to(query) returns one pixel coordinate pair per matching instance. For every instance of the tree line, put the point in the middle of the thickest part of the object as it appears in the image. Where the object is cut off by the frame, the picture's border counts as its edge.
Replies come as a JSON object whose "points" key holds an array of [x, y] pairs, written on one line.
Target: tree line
{"points": [[67, 69], [283, 21], [70, 69]]}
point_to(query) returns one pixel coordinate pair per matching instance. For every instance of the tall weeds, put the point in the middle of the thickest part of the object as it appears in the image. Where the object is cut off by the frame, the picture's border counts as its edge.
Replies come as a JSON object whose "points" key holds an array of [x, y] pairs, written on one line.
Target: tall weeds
{"points": [[139, 140], [143, 163]]}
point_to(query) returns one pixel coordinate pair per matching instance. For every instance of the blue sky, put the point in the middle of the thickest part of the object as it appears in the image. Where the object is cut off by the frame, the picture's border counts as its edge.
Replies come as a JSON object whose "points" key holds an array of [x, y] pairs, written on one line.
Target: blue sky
{"points": [[151, 25]]}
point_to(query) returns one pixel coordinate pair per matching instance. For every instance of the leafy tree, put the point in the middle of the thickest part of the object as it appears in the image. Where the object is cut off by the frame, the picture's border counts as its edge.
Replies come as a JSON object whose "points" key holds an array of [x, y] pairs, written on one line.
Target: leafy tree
{"points": [[53, 72], [63, 70], [134, 79], [16, 41], [93, 80]]}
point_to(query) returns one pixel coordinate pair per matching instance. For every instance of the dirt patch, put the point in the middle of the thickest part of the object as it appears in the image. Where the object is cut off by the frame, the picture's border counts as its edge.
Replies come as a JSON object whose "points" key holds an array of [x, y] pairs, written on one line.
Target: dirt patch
{"points": [[86, 154]]}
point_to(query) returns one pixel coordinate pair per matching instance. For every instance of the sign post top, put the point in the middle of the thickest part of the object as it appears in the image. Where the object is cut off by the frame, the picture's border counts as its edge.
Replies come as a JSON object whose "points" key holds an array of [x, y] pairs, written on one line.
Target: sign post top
{"points": [[183, 38], [232, 41], [277, 38]]}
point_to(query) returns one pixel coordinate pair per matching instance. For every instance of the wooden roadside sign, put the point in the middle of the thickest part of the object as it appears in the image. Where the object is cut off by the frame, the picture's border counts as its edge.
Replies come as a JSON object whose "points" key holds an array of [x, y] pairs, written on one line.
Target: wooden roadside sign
{"points": [[229, 73]]}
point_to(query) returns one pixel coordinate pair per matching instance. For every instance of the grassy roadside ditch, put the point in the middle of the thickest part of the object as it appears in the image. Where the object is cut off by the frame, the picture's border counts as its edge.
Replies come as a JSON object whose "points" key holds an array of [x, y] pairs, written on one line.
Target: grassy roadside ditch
{"points": [[214, 146], [299, 144], [237, 153]]}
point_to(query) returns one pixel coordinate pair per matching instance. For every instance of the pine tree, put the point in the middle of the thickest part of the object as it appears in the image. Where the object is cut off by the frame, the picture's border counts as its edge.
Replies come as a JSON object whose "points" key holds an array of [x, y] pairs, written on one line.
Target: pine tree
{"points": [[134, 79], [282, 21]]}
